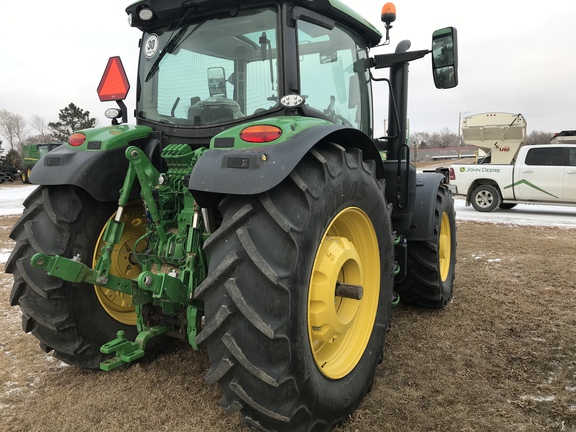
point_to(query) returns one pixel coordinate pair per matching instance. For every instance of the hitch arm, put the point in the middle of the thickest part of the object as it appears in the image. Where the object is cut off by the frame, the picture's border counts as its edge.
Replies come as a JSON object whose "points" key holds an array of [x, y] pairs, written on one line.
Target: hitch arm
{"points": [[73, 270]]}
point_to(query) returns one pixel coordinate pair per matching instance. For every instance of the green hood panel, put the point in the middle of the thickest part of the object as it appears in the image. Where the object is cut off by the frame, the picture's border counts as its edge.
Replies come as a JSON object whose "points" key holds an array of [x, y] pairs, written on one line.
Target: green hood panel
{"points": [[290, 126], [110, 137]]}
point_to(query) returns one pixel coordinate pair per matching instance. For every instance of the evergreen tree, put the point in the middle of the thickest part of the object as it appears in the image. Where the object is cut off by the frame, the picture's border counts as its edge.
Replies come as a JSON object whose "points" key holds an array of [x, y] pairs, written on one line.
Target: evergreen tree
{"points": [[72, 118]]}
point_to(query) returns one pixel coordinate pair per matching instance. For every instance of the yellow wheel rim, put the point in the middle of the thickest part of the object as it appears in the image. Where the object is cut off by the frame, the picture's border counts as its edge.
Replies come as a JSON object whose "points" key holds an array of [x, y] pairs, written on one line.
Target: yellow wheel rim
{"points": [[445, 247], [339, 328], [119, 305]]}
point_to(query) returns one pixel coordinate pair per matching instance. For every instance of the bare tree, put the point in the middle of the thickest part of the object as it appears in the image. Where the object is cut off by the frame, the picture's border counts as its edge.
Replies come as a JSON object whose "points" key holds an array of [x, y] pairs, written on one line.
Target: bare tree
{"points": [[13, 128], [39, 139], [21, 130], [443, 139], [447, 138], [39, 125], [539, 137], [420, 139]]}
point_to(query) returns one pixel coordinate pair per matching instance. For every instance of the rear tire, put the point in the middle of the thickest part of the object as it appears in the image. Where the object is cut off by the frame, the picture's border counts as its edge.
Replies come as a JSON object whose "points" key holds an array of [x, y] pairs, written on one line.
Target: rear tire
{"points": [[431, 264], [285, 350], [485, 198], [65, 317]]}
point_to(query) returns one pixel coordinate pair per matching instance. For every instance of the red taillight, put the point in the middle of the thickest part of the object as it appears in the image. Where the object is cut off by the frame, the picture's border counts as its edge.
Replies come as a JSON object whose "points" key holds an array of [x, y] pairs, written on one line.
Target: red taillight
{"points": [[261, 133], [452, 174], [76, 139]]}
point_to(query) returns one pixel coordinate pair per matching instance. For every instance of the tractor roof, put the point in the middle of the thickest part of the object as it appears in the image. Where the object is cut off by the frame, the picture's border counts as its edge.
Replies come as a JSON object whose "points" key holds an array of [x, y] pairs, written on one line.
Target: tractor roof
{"points": [[166, 11]]}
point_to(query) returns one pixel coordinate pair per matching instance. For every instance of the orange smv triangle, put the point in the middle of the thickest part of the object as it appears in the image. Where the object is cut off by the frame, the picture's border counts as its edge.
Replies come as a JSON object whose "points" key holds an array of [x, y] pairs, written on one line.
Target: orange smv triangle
{"points": [[114, 84]]}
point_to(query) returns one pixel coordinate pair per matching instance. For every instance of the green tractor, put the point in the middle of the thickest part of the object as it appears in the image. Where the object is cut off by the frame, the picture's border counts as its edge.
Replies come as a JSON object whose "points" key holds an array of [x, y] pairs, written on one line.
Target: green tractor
{"points": [[31, 154], [249, 212]]}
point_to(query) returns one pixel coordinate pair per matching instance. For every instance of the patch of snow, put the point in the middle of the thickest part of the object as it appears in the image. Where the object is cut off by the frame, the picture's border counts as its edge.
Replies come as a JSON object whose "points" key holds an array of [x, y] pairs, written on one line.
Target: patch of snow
{"points": [[12, 388], [4, 254], [51, 359], [522, 214], [539, 398], [11, 199]]}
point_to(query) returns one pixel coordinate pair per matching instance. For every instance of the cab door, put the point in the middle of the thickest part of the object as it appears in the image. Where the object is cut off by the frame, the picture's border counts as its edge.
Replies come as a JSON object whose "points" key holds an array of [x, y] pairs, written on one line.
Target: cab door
{"points": [[541, 176]]}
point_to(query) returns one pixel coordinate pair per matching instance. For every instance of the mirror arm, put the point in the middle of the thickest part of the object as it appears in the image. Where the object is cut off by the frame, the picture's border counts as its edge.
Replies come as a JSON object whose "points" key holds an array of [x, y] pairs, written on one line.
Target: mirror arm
{"points": [[387, 60]]}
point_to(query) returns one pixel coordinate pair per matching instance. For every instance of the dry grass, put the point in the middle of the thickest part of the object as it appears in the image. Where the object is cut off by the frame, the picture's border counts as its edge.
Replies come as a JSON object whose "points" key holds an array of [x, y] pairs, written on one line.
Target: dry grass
{"points": [[500, 357]]}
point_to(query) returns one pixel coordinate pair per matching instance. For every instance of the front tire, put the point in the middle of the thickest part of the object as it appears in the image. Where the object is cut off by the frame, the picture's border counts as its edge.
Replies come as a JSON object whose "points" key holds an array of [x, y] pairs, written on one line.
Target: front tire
{"points": [[285, 350], [485, 198], [431, 264], [66, 318], [26, 175]]}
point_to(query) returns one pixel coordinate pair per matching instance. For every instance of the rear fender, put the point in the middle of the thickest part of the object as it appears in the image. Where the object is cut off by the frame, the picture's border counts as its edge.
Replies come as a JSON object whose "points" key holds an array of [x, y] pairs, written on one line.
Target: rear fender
{"points": [[422, 226], [99, 165], [254, 170]]}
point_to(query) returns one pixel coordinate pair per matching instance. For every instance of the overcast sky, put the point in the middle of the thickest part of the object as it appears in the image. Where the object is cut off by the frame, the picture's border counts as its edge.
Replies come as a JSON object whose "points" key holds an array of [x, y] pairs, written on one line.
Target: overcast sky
{"points": [[514, 56]]}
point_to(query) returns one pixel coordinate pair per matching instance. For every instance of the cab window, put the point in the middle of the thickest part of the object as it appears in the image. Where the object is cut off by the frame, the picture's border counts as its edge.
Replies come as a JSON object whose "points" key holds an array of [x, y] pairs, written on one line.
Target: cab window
{"points": [[334, 79]]}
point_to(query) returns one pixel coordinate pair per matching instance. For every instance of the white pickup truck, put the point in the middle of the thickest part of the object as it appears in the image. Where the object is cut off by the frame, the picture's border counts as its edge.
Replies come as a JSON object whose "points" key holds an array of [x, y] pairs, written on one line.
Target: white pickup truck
{"points": [[541, 174]]}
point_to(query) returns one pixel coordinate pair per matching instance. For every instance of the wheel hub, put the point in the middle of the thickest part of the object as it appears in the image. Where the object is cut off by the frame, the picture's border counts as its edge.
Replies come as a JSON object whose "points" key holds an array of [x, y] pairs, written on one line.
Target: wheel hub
{"points": [[343, 293], [117, 304], [331, 316], [484, 199], [445, 247]]}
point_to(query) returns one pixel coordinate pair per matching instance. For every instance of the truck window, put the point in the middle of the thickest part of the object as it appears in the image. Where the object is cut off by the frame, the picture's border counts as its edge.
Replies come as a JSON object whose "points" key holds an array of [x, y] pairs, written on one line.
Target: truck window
{"points": [[572, 157], [550, 156]]}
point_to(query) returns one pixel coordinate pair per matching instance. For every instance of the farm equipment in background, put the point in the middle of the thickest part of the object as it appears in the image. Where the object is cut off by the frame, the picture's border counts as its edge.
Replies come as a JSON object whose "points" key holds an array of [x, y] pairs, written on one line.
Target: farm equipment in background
{"points": [[248, 212], [564, 137], [31, 154], [500, 135]]}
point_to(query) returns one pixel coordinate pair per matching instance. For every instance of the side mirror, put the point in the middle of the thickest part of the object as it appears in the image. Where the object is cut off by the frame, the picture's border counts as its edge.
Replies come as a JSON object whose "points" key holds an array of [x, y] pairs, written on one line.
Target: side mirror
{"points": [[445, 58], [217, 81]]}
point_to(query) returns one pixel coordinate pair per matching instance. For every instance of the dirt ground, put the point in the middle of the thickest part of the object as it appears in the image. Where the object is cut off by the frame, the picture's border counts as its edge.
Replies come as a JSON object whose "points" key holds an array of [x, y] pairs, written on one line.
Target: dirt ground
{"points": [[500, 357]]}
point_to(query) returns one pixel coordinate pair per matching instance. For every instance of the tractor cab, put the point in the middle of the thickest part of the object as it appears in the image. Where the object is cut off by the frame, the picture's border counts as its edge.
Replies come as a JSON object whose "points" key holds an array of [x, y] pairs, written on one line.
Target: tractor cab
{"points": [[204, 71], [206, 66]]}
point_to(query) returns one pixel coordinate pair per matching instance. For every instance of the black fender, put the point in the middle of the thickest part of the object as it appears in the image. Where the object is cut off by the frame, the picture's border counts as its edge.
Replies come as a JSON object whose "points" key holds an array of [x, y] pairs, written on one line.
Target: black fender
{"points": [[422, 226], [254, 170], [100, 173]]}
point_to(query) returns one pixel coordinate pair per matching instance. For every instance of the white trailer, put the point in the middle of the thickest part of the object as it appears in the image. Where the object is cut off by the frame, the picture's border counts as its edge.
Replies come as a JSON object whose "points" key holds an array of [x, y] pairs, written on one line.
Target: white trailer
{"points": [[498, 134], [565, 137]]}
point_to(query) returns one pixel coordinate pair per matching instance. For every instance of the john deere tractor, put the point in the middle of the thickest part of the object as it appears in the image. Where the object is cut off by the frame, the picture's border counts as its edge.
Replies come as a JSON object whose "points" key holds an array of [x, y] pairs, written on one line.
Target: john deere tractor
{"points": [[249, 212]]}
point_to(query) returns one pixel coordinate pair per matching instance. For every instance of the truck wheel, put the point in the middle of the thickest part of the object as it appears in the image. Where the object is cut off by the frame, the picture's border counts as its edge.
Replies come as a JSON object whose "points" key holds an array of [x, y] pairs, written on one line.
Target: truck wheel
{"points": [[485, 198], [71, 319], [287, 350], [431, 264]]}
